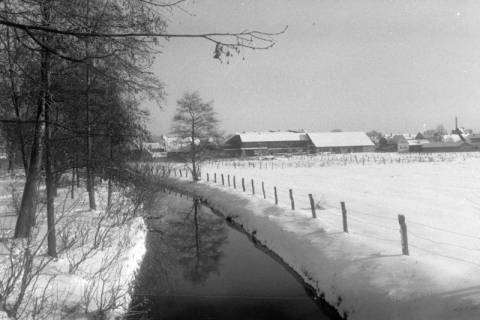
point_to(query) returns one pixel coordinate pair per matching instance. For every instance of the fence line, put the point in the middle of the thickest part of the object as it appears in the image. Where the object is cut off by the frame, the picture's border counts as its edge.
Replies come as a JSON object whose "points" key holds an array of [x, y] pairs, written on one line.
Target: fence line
{"points": [[308, 203]]}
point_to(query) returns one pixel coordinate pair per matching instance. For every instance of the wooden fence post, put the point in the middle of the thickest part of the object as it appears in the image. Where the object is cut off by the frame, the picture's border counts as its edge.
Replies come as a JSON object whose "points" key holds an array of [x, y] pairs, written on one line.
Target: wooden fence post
{"points": [[180, 171], [263, 190], [234, 183], [208, 177], [215, 177], [291, 199], [344, 217], [253, 187], [243, 184], [228, 180], [403, 232], [186, 172], [223, 180], [312, 206], [276, 195]]}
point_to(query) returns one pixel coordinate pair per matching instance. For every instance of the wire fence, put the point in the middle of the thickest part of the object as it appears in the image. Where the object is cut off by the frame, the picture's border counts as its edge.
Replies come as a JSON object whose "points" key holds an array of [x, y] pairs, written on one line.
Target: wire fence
{"points": [[329, 159], [425, 238]]}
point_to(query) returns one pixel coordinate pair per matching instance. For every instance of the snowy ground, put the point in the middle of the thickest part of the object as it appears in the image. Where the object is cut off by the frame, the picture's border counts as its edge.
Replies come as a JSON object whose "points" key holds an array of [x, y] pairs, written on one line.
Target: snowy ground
{"points": [[363, 273], [98, 256]]}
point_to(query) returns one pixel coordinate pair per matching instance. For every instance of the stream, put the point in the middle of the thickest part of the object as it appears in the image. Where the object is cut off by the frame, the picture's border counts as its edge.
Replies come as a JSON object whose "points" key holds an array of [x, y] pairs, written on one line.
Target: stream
{"points": [[197, 267]]}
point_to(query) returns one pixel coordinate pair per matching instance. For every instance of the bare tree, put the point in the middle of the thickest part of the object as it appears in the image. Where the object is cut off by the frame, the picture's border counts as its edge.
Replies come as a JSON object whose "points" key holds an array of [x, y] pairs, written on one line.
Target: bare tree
{"points": [[196, 122]]}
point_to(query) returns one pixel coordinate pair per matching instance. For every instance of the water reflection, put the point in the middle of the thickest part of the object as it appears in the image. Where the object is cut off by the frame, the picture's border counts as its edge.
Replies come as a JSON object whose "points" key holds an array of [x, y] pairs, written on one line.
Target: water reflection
{"points": [[196, 239], [196, 267]]}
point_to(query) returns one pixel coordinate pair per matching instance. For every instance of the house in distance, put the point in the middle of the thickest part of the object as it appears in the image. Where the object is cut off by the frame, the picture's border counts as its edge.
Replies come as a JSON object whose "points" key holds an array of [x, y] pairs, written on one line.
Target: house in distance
{"points": [[274, 142]]}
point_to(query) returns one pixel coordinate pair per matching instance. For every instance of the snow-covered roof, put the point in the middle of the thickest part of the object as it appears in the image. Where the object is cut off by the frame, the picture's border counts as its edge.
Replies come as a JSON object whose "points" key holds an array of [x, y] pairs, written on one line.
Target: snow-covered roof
{"points": [[417, 142], [339, 139], [451, 138], [272, 136], [174, 143]]}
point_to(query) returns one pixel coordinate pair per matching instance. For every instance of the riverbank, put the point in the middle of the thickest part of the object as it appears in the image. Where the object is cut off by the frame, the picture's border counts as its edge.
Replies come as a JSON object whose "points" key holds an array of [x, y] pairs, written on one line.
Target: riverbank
{"points": [[99, 253], [349, 273]]}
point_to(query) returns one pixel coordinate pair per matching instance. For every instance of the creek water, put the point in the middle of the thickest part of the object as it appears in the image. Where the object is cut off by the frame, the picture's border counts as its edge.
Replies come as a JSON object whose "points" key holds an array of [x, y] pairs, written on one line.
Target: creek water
{"points": [[197, 267]]}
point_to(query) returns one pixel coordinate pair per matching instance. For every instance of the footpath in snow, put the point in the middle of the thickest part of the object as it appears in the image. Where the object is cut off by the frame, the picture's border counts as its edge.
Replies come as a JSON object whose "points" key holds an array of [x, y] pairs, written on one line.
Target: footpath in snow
{"points": [[354, 275]]}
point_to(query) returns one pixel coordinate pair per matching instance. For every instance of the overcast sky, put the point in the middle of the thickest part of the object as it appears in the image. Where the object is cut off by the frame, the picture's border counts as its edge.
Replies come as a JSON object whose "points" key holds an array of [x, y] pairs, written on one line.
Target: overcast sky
{"points": [[393, 66]]}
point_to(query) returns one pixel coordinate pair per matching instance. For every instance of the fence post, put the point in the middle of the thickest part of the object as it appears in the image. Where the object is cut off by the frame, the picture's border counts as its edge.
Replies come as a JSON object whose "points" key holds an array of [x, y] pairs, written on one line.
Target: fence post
{"points": [[186, 172], [215, 177], [344, 217], [223, 180], [291, 198], [263, 190], [228, 180], [208, 177], [403, 232], [243, 184], [275, 193], [234, 183], [180, 171], [312, 206], [253, 187]]}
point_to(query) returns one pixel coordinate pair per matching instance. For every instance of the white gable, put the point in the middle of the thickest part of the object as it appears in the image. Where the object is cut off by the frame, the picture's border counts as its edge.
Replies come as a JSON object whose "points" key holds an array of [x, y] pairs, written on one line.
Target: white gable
{"points": [[339, 139]]}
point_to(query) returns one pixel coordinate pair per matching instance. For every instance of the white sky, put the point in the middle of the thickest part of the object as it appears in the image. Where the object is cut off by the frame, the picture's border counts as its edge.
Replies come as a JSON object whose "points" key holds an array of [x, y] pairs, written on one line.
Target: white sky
{"points": [[390, 65]]}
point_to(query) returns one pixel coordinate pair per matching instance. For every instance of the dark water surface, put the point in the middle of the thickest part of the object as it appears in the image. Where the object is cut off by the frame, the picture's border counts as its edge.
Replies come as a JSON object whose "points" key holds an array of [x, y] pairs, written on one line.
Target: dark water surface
{"points": [[197, 267]]}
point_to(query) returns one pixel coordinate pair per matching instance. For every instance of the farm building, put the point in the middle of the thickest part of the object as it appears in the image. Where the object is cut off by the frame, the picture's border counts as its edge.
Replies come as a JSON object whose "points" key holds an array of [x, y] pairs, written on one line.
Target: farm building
{"points": [[459, 146], [416, 145], [261, 143], [341, 142], [473, 139], [401, 142]]}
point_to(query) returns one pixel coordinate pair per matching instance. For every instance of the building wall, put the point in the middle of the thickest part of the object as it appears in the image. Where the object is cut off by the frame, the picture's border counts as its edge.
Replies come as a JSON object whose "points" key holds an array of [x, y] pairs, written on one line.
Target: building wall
{"points": [[276, 144], [347, 149]]}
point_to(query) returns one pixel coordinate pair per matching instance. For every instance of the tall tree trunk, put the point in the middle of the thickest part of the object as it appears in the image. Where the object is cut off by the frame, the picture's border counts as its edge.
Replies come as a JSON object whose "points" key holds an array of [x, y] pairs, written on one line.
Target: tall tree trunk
{"points": [[26, 217], [90, 177], [50, 180], [73, 180]]}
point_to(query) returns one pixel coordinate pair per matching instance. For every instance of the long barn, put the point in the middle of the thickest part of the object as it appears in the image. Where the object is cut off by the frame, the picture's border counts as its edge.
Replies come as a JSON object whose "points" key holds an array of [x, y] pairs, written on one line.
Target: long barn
{"points": [[263, 143]]}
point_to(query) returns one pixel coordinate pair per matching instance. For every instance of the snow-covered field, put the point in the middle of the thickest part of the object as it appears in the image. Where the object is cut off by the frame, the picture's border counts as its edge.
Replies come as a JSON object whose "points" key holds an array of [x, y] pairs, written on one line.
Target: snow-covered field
{"points": [[440, 200], [363, 273], [99, 254]]}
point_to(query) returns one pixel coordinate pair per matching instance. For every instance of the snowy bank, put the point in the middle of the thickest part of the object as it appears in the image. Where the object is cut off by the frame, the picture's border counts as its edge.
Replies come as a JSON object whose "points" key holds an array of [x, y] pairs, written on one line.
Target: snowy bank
{"points": [[99, 253], [352, 274]]}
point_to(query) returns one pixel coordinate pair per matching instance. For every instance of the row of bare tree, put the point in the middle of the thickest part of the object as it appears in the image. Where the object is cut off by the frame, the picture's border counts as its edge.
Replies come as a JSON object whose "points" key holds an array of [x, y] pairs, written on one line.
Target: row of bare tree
{"points": [[71, 79]]}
